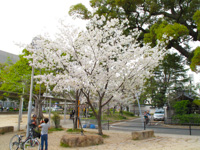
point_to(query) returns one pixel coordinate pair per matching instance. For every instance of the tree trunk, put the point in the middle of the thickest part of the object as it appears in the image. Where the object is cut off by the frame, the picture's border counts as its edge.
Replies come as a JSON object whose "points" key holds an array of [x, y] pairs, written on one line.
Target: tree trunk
{"points": [[98, 116], [76, 109], [99, 121], [121, 111], [114, 110], [76, 114], [36, 107], [38, 110]]}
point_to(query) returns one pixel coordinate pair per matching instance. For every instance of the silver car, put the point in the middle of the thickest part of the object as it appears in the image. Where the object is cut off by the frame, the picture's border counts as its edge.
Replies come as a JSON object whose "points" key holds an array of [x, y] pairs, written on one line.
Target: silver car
{"points": [[159, 115]]}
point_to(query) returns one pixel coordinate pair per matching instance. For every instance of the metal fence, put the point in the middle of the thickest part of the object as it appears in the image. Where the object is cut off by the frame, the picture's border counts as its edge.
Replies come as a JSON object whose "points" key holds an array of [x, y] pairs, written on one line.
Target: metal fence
{"points": [[175, 126]]}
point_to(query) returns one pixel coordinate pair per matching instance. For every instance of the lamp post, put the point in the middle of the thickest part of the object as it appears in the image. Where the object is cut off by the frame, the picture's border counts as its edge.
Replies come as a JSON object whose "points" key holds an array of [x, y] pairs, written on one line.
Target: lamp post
{"points": [[34, 45], [30, 103]]}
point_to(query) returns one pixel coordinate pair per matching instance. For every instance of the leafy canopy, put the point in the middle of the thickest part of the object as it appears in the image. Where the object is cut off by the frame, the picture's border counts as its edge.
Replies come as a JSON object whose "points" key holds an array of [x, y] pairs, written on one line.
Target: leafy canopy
{"points": [[181, 17]]}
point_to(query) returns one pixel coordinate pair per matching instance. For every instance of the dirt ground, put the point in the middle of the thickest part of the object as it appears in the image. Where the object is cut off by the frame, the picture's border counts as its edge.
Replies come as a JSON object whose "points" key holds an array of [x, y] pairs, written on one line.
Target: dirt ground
{"points": [[117, 140]]}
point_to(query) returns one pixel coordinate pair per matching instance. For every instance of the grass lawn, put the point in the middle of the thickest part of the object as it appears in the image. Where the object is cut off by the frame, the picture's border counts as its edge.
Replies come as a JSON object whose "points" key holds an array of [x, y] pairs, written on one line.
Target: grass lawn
{"points": [[115, 117]]}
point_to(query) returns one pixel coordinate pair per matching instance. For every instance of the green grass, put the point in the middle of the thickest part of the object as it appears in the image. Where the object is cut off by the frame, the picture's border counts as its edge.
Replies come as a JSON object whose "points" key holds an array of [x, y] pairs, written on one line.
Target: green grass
{"points": [[74, 130], [114, 117], [105, 136], [55, 129], [117, 116], [64, 145]]}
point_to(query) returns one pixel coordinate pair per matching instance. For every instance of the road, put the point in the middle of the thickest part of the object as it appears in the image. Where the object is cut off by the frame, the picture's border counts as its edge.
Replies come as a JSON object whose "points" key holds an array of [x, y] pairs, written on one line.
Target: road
{"points": [[157, 126]]}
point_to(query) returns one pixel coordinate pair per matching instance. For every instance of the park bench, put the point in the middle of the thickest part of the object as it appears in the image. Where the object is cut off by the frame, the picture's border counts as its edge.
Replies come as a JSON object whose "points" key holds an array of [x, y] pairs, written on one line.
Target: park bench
{"points": [[6, 129]]}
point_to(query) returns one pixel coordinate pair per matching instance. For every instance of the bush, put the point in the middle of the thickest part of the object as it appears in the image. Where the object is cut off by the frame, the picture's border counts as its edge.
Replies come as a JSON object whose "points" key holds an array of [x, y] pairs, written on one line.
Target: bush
{"points": [[187, 118], [127, 113], [11, 109], [24, 109], [181, 107], [56, 119], [122, 117]]}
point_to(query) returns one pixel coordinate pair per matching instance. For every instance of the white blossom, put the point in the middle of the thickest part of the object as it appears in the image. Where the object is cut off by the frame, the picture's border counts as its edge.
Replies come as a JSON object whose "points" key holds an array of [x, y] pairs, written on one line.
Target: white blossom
{"points": [[100, 59]]}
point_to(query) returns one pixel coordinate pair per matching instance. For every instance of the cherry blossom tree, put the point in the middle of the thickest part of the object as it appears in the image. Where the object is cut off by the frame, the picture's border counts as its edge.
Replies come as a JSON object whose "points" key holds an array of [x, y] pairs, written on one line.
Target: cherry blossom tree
{"points": [[100, 61]]}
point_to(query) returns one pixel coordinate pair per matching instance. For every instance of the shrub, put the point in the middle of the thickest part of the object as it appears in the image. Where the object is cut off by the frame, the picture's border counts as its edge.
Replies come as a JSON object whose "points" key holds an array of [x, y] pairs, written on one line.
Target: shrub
{"points": [[181, 107], [56, 119], [127, 113], [11, 109], [187, 118], [122, 117]]}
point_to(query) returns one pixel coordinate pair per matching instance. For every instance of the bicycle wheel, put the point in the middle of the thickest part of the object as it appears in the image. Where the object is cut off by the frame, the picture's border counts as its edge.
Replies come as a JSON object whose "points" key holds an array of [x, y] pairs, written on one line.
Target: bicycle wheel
{"points": [[14, 142], [32, 144]]}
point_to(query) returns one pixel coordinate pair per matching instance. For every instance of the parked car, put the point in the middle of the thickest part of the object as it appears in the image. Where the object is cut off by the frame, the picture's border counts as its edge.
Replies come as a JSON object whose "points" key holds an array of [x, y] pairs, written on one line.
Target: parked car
{"points": [[56, 109], [159, 114]]}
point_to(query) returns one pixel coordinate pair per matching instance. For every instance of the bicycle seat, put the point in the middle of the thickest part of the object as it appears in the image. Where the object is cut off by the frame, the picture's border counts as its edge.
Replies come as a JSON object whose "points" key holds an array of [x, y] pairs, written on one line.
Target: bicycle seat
{"points": [[21, 136]]}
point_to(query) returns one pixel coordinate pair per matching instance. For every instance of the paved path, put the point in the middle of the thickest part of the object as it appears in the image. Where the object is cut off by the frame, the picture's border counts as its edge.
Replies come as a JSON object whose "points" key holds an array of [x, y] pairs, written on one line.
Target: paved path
{"points": [[157, 126]]}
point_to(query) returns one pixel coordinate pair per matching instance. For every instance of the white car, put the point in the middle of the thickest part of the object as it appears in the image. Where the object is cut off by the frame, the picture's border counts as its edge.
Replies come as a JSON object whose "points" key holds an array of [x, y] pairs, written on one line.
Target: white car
{"points": [[159, 115], [55, 109]]}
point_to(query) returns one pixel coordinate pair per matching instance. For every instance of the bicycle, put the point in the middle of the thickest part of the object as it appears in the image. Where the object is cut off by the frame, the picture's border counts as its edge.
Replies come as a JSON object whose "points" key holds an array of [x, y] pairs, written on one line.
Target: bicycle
{"points": [[30, 142]]}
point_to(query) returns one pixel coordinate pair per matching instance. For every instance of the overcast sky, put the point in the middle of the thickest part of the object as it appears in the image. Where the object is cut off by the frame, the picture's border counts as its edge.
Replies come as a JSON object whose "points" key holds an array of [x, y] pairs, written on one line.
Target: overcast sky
{"points": [[22, 20]]}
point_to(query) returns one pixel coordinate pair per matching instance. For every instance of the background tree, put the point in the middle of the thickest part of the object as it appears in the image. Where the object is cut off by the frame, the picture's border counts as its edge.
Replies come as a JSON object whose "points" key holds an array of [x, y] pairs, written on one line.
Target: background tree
{"points": [[167, 78], [16, 78], [155, 18], [196, 60]]}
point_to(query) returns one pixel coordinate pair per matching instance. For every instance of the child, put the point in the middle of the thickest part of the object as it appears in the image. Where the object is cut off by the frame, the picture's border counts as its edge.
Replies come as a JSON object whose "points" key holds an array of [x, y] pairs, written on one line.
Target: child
{"points": [[44, 133], [33, 121]]}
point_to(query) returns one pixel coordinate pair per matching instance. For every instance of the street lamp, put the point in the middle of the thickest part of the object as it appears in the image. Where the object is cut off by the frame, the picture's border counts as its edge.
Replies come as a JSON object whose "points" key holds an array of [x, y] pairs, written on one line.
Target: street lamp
{"points": [[30, 103], [34, 45]]}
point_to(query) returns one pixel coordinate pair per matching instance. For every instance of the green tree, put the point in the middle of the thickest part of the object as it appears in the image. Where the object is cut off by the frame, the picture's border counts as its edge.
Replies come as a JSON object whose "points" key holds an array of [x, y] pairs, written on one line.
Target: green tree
{"points": [[177, 19], [16, 78], [195, 60], [168, 76]]}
